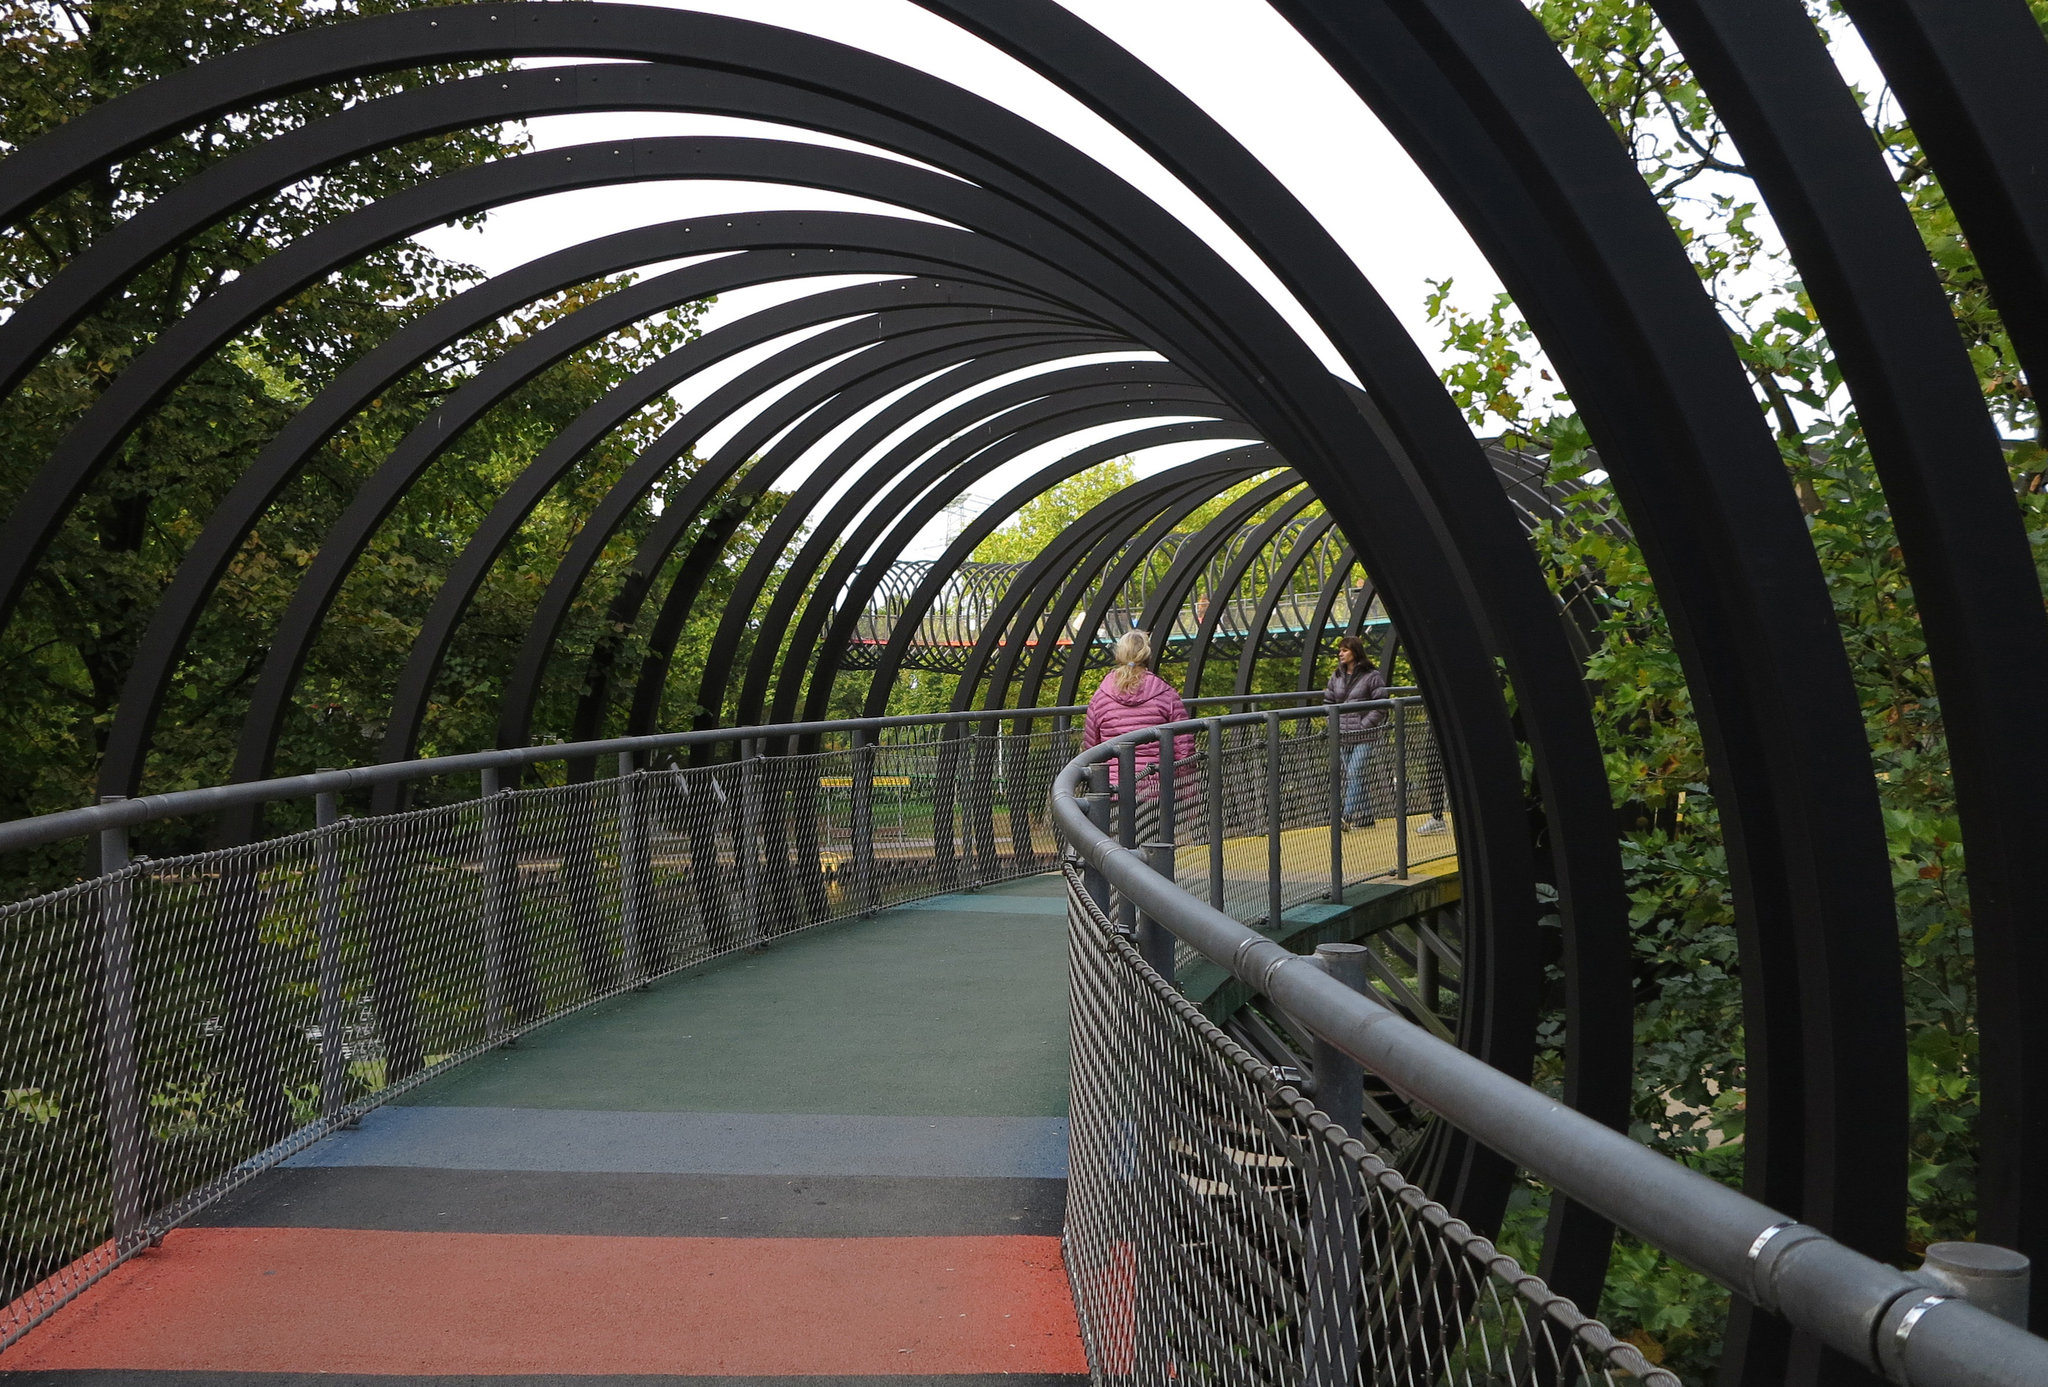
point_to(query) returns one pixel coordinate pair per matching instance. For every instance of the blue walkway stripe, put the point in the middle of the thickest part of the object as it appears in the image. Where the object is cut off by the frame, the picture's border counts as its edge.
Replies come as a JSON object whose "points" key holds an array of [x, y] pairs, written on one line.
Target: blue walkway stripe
{"points": [[699, 1143]]}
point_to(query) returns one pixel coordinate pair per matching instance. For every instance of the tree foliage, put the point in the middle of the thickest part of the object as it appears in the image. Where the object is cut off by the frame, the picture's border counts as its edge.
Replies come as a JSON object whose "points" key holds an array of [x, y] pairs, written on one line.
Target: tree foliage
{"points": [[1689, 1047], [66, 655], [1044, 516]]}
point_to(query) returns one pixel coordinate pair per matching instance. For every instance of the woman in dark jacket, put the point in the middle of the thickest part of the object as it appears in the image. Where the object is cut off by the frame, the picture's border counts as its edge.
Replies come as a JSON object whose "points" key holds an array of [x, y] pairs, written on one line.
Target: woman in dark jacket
{"points": [[1356, 681]]}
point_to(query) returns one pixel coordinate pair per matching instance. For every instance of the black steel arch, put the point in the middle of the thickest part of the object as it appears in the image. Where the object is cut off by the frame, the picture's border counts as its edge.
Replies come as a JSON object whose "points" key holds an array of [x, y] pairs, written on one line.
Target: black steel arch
{"points": [[1190, 560], [835, 530], [1488, 109], [844, 242], [1302, 550], [1944, 474], [1227, 583], [1326, 601], [998, 433], [1476, 92], [1033, 427], [352, 533], [1419, 423], [1034, 424], [1096, 558], [1289, 381], [903, 354], [868, 539], [1097, 551]]}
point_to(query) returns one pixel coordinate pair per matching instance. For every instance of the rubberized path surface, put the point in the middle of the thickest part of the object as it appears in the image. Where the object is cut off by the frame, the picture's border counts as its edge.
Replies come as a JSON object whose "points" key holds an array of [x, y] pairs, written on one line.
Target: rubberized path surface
{"points": [[839, 1160]]}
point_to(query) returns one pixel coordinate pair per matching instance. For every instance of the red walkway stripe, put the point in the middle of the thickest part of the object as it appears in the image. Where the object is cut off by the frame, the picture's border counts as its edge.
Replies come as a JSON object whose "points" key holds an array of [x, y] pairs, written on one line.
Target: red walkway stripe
{"points": [[332, 1300]]}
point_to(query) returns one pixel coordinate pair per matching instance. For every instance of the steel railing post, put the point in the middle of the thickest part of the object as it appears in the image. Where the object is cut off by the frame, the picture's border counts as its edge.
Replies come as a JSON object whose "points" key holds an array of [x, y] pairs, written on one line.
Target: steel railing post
{"points": [[988, 863], [1340, 1079], [636, 870], [747, 840], [327, 928], [1273, 821], [1099, 806], [117, 1001], [1330, 1333], [1215, 810], [1400, 791], [971, 808], [1125, 788], [1155, 941], [1337, 795], [863, 794], [499, 881]]}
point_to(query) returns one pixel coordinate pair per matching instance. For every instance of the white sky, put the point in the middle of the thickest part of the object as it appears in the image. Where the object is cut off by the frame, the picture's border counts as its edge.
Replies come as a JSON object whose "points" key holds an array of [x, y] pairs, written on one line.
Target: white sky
{"points": [[1236, 58]]}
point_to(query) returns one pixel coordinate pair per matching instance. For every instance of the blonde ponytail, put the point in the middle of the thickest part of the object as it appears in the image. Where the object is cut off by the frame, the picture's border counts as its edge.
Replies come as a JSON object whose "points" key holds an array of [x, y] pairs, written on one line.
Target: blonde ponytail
{"points": [[1133, 651]]}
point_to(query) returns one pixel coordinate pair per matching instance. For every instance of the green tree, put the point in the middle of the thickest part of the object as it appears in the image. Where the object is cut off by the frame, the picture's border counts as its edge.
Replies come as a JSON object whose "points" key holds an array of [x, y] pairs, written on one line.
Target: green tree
{"points": [[65, 656], [1689, 1075], [1044, 516]]}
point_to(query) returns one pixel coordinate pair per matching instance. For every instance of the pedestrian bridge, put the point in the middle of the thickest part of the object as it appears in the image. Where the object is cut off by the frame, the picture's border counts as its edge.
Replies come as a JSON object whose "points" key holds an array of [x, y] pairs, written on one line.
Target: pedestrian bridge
{"points": [[753, 1071], [843, 1155], [999, 1057], [819, 1059]]}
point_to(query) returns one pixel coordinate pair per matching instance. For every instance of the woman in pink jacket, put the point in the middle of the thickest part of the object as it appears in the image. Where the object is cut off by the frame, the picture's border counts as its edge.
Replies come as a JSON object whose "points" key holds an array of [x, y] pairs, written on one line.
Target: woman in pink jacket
{"points": [[1131, 699]]}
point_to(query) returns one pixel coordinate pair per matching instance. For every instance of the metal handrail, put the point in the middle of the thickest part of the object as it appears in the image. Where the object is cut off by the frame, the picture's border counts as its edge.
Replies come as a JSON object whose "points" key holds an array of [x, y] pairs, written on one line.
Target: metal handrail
{"points": [[1884, 1319], [127, 813]]}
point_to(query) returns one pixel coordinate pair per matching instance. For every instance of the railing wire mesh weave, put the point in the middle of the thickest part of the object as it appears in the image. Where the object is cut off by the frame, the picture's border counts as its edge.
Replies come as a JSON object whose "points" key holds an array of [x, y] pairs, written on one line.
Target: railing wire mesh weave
{"points": [[1253, 782], [174, 1026], [1222, 1229]]}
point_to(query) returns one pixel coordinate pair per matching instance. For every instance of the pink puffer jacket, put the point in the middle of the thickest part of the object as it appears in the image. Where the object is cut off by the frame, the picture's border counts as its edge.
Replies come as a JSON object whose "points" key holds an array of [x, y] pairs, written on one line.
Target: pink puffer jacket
{"points": [[1112, 712]]}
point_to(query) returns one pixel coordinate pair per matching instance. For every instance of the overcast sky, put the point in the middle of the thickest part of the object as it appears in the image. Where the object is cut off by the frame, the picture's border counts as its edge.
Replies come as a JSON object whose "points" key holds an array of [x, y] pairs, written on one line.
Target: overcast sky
{"points": [[1237, 58]]}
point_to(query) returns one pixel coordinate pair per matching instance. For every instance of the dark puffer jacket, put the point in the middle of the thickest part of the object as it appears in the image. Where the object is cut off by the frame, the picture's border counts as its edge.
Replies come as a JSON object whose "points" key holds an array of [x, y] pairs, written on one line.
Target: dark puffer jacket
{"points": [[1359, 685]]}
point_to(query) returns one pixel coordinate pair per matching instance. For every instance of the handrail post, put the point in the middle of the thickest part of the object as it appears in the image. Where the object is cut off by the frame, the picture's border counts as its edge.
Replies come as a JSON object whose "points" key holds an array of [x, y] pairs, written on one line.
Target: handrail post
{"points": [[1155, 941], [747, 840], [972, 803], [1995, 1279], [1214, 810], [117, 1000], [1092, 879], [863, 794], [327, 927], [1273, 817], [1337, 796], [636, 870], [1400, 791], [1340, 1079], [499, 883], [1330, 1334], [1125, 788]]}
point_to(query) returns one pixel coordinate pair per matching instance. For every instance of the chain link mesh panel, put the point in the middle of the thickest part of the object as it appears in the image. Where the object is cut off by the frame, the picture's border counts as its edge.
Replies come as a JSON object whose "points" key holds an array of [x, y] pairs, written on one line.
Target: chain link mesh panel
{"points": [[1253, 807], [1221, 1229], [1247, 784], [171, 1028]]}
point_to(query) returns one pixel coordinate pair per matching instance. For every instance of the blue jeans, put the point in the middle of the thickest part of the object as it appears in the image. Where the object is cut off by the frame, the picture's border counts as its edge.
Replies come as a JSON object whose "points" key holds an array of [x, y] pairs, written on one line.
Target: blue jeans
{"points": [[1357, 781]]}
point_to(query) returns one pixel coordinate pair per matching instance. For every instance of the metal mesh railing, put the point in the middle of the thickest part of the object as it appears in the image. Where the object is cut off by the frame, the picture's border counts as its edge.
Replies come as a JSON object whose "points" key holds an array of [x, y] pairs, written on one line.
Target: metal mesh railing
{"points": [[1272, 812], [174, 1025], [1222, 1229]]}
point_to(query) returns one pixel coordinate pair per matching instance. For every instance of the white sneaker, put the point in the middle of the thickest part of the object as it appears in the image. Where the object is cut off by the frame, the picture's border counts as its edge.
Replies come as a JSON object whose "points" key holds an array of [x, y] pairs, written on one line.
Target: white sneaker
{"points": [[1435, 825]]}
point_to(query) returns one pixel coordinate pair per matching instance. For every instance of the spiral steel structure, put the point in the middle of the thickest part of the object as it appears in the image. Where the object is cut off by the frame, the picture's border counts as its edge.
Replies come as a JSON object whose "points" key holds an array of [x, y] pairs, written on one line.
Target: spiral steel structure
{"points": [[1027, 294]]}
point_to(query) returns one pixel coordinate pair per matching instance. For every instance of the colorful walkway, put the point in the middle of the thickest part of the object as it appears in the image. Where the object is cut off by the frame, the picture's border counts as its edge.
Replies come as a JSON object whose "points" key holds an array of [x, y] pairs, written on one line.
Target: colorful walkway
{"points": [[841, 1160]]}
